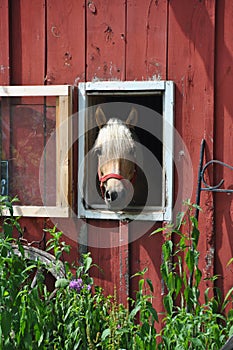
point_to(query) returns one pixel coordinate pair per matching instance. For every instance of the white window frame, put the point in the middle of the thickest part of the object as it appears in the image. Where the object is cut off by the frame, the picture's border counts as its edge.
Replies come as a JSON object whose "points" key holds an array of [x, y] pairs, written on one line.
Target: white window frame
{"points": [[64, 192], [166, 88]]}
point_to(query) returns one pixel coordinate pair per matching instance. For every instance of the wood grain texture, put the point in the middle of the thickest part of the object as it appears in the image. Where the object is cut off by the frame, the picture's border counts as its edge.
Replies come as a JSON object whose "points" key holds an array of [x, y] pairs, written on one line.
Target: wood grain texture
{"points": [[65, 42], [105, 40], [4, 43], [223, 142], [146, 49], [28, 42], [191, 65]]}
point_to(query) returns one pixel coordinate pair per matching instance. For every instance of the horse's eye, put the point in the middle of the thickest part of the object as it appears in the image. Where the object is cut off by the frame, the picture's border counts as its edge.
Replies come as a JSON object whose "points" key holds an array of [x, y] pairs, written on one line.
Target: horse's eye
{"points": [[98, 151]]}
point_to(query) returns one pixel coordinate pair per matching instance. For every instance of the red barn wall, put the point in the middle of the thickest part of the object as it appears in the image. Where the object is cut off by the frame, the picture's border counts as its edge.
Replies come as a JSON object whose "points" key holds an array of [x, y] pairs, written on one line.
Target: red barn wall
{"points": [[189, 42]]}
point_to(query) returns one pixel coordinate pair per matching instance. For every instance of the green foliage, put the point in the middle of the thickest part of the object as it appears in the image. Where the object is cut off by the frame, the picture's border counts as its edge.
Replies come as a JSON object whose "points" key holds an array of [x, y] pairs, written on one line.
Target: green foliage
{"points": [[188, 323], [77, 314]]}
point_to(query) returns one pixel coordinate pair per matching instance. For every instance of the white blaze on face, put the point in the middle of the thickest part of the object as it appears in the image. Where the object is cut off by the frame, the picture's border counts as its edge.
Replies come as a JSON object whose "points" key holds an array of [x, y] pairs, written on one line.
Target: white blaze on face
{"points": [[116, 151]]}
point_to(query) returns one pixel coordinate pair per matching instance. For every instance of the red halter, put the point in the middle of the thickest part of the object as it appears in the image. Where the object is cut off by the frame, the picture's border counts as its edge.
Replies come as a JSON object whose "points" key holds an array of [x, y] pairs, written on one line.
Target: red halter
{"points": [[105, 178]]}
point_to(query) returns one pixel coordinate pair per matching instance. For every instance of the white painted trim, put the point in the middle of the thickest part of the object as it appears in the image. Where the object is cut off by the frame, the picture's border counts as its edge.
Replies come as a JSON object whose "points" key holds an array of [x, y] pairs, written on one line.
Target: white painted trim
{"points": [[81, 145], [38, 211], [63, 94], [34, 90], [167, 89], [124, 85], [168, 141], [108, 215]]}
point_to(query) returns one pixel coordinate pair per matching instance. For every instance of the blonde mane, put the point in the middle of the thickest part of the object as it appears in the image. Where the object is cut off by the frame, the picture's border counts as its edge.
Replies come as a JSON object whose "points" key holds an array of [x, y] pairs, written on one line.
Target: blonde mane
{"points": [[115, 140]]}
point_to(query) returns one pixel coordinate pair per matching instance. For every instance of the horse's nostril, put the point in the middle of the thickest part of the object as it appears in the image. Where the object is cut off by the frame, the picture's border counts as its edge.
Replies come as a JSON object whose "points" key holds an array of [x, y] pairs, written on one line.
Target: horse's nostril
{"points": [[114, 196], [111, 196]]}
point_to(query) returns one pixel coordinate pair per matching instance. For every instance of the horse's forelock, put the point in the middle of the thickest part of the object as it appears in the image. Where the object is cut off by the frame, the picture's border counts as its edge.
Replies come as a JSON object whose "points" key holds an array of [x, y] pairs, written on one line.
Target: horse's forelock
{"points": [[115, 140]]}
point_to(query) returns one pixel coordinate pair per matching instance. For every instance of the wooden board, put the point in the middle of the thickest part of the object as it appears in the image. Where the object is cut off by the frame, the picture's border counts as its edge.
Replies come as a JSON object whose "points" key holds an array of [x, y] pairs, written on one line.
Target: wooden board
{"points": [[105, 59], [224, 142], [105, 40], [65, 42], [146, 40], [191, 65], [30, 90], [145, 252], [65, 64], [27, 60], [28, 42], [4, 43], [108, 243], [146, 55]]}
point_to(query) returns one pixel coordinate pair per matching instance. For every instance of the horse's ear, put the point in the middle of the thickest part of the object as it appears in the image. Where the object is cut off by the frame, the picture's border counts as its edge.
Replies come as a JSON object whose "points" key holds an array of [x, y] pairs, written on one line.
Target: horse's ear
{"points": [[100, 117], [132, 119]]}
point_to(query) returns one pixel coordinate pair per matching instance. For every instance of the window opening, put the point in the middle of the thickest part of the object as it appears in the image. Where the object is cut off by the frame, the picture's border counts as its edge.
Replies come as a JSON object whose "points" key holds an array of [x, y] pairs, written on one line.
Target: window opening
{"points": [[153, 184]]}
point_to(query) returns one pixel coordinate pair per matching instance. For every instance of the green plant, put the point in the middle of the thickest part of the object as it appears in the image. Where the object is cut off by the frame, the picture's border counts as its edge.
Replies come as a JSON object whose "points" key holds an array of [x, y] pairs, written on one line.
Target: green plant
{"points": [[9, 223], [188, 323], [18, 318], [135, 328], [77, 314]]}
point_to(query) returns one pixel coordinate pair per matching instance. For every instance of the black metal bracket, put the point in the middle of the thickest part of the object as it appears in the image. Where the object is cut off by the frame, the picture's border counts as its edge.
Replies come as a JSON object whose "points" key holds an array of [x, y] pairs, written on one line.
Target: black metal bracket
{"points": [[202, 184]]}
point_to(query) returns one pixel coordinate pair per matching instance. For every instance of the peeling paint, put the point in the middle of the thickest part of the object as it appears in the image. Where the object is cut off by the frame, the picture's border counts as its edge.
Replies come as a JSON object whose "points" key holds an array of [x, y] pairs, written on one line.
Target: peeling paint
{"points": [[3, 68], [209, 258], [155, 77], [55, 32], [49, 78], [109, 33], [92, 7], [68, 58]]}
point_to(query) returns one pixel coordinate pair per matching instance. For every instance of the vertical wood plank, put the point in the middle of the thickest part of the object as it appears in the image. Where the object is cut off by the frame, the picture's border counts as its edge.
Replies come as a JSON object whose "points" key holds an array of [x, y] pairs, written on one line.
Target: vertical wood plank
{"points": [[65, 55], [4, 79], [105, 39], [224, 141], [103, 243], [124, 261], [63, 150], [105, 58], [191, 43], [4, 43], [146, 40], [27, 60], [65, 41], [27, 42], [146, 58], [145, 252]]}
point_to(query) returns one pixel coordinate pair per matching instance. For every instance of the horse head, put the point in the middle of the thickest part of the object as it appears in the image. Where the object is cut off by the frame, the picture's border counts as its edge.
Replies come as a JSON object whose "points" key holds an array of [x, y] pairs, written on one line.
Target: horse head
{"points": [[115, 148]]}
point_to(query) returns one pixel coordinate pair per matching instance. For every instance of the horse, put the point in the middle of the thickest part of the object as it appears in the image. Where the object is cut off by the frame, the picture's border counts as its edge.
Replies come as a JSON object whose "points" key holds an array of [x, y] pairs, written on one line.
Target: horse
{"points": [[116, 151]]}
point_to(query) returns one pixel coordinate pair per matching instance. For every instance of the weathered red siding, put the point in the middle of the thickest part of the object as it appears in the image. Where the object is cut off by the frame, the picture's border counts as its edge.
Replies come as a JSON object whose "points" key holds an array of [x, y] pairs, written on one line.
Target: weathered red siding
{"points": [[191, 65], [189, 42], [223, 141]]}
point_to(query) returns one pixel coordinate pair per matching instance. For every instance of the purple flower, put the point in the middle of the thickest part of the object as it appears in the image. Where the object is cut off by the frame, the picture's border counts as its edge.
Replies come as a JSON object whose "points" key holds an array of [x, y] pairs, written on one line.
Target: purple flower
{"points": [[76, 284]]}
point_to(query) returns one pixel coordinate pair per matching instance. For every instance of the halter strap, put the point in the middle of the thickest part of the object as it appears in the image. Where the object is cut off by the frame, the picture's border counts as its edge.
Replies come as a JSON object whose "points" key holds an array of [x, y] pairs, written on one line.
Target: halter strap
{"points": [[105, 178]]}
